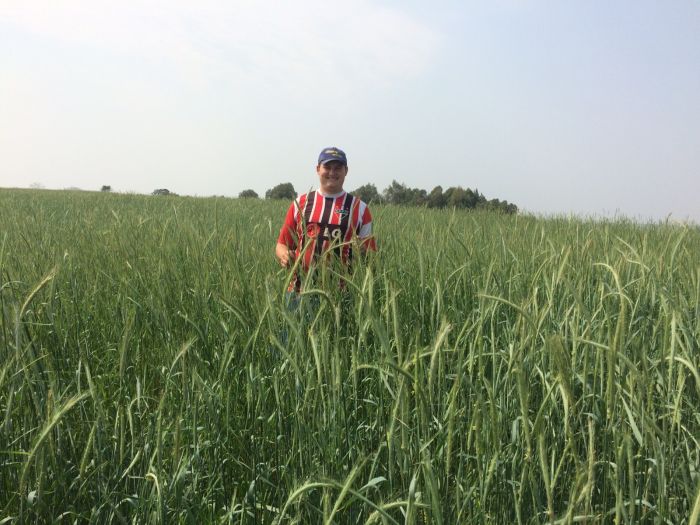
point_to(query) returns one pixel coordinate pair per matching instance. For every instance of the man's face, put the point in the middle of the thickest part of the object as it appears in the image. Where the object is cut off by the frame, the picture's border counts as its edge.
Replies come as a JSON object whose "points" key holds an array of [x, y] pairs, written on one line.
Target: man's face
{"points": [[332, 176]]}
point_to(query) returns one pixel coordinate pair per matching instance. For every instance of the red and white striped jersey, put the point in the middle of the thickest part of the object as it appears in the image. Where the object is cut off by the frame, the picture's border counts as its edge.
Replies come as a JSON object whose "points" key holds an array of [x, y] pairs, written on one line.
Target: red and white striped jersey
{"points": [[318, 225]]}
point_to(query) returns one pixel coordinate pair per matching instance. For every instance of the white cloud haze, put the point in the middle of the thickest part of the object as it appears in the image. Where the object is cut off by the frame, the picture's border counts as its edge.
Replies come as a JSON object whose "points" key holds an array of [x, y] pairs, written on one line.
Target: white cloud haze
{"points": [[559, 107], [299, 42]]}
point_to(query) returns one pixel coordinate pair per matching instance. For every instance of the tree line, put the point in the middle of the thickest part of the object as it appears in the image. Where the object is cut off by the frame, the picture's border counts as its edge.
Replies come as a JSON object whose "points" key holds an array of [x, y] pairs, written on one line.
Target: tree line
{"points": [[400, 194]]}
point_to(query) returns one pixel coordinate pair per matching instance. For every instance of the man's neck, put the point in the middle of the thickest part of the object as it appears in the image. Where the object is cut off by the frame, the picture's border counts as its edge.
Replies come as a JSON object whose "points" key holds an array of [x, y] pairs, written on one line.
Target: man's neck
{"points": [[333, 195]]}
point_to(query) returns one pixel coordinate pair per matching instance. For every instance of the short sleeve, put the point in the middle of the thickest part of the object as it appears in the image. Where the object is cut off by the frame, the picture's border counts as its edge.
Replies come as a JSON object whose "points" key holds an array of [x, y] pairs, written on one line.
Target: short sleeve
{"points": [[365, 231], [288, 235]]}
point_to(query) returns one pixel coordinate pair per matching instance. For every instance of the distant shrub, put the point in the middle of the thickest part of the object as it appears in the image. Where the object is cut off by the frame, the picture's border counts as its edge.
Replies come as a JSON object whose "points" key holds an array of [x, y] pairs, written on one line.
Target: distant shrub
{"points": [[163, 191], [248, 194], [367, 193], [281, 191]]}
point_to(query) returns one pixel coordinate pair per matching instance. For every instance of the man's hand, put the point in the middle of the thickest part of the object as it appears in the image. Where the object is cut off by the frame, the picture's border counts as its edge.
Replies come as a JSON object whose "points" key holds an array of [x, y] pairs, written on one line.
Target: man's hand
{"points": [[284, 255]]}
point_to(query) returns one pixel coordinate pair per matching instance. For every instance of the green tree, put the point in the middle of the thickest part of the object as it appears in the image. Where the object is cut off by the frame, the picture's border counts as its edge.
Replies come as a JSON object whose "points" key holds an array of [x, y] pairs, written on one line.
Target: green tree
{"points": [[471, 198], [164, 191], [397, 193], [281, 191], [367, 193], [500, 206], [457, 197], [248, 194], [417, 197], [510, 208], [436, 199]]}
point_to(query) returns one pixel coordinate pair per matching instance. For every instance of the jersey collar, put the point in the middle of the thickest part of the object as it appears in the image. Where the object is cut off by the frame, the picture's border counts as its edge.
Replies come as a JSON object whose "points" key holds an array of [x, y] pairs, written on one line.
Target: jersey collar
{"points": [[331, 195]]}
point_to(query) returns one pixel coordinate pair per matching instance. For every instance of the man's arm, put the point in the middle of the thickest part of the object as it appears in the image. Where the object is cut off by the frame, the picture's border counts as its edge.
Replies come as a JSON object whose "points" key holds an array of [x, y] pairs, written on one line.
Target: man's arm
{"points": [[286, 242]]}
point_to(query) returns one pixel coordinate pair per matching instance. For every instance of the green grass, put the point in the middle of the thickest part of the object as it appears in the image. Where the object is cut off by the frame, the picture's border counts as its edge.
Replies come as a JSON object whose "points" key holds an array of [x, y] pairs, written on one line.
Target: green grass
{"points": [[483, 369]]}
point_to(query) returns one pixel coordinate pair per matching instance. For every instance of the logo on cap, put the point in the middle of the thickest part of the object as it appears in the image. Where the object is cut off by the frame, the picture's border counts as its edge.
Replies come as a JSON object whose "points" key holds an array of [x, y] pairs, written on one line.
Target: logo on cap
{"points": [[330, 154]]}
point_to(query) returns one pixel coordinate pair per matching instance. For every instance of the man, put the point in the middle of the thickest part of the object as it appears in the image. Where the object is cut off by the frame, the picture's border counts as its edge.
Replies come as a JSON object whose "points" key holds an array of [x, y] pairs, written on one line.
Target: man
{"points": [[326, 223]]}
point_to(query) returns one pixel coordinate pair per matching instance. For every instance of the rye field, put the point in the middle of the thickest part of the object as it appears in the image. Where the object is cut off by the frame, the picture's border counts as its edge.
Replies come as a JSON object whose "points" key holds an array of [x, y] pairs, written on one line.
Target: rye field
{"points": [[480, 368]]}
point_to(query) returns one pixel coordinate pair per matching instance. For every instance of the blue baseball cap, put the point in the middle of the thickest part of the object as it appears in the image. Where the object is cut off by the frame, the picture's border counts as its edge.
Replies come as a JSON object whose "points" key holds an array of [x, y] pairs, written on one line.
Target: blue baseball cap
{"points": [[329, 154]]}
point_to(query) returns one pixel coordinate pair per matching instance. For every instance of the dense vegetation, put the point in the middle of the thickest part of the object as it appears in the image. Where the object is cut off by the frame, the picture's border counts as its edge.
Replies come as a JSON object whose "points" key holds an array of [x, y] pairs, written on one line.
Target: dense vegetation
{"points": [[454, 197], [482, 368]]}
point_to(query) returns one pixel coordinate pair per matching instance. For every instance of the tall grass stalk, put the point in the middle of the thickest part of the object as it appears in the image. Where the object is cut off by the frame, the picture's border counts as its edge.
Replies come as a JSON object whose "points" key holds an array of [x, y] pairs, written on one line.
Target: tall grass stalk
{"points": [[478, 369]]}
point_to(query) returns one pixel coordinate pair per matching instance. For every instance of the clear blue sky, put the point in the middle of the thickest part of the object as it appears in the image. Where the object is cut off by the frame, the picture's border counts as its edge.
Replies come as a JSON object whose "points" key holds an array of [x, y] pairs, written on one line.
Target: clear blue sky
{"points": [[588, 107]]}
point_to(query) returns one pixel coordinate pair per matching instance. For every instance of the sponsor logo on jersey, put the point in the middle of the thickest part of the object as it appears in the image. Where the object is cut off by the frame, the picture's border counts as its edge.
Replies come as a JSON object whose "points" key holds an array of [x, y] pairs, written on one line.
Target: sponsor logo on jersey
{"points": [[312, 230]]}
